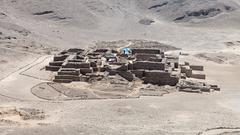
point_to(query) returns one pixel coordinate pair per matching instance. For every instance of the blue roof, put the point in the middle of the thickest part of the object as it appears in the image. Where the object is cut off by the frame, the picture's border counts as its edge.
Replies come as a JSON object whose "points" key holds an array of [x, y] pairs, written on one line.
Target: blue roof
{"points": [[127, 51]]}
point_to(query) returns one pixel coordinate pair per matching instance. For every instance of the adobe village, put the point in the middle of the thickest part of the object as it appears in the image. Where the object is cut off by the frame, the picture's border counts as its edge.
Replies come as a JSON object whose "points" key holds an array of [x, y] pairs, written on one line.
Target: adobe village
{"points": [[142, 66]]}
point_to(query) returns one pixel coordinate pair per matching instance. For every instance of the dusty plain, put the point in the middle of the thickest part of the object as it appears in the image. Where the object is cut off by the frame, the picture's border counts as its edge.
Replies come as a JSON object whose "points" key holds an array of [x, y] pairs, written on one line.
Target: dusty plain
{"points": [[32, 31]]}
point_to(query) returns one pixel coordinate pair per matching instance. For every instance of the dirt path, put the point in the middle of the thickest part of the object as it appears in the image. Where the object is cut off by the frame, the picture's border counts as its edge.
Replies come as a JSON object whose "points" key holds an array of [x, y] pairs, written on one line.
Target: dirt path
{"points": [[18, 86]]}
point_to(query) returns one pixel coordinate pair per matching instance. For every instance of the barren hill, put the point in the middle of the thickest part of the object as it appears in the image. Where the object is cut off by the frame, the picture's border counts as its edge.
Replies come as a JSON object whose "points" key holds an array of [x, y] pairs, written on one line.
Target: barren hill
{"points": [[79, 22], [33, 26], [202, 32]]}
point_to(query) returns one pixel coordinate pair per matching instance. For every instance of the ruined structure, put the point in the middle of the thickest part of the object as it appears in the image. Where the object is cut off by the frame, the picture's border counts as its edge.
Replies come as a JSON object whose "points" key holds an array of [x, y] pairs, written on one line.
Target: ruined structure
{"points": [[152, 66], [189, 71]]}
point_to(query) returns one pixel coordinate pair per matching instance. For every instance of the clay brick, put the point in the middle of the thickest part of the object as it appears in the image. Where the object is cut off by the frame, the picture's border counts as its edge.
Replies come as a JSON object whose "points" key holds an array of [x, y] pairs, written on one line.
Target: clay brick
{"points": [[112, 72], [76, 60], [52, 68], [62, 80], [138, 73], [187, 70], [95, 69], [197, 67], [122, 68], [176, 64], [146, 51], [79, 57], [86, 70], [93, 64], [156, 59], [198, 76], [75, 50], [69, 69], [60, 57], [183, 76], [117, 63], [101, 50], [157, 77], [127, 75], [145, 57], [130, 66], [68, 73], [71, 77], [56, 63], [77, 65], [148, 65], [102, 69], [173, 81], [186, 63], [84, 78], [156, 73]]}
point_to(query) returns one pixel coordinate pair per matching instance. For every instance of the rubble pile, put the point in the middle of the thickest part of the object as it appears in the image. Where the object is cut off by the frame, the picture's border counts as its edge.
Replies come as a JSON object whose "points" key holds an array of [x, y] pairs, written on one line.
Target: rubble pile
{"points": [[195, 86], [188, 84]]}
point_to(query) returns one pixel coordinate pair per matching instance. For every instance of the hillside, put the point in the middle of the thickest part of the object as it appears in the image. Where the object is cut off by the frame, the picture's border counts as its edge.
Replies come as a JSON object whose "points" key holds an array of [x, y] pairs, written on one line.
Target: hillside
{"points": [[64, 23], [204, 33]]}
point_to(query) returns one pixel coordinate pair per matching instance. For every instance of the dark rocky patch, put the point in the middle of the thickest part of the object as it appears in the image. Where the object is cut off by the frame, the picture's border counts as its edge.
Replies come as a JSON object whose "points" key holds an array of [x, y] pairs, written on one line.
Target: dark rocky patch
{"points": [[43, 12], [31, 114], [205, 12], [7, 38], [146, 21], [3, 61], [59, 18], [228, 8], [229, 131], [180, 18], [23, 32], [3, 14], [159, 5]]}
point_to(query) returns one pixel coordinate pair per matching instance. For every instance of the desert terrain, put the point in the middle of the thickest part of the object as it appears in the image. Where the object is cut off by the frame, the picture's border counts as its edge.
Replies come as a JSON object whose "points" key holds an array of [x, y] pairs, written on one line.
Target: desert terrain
{"points": [[31, 32]]}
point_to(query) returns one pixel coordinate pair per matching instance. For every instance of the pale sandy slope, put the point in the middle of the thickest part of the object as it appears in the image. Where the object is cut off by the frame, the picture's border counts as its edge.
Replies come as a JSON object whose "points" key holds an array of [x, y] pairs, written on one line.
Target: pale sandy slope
{"points": [[78, 23]]}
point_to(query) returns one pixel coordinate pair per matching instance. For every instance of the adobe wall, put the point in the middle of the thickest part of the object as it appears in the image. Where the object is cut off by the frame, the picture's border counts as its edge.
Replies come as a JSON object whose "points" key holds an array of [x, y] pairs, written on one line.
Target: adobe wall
{"points": [[52, 68], [77, 65], [60, 57], [197, 67], [146, 51], [148, 65], [157, 77], [144, 57]]}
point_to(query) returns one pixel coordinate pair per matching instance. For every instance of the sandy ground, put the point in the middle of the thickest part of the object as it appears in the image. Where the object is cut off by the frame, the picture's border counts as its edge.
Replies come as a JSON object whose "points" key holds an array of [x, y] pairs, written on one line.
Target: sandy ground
{"points": [[33, 37], [176, 113]]}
